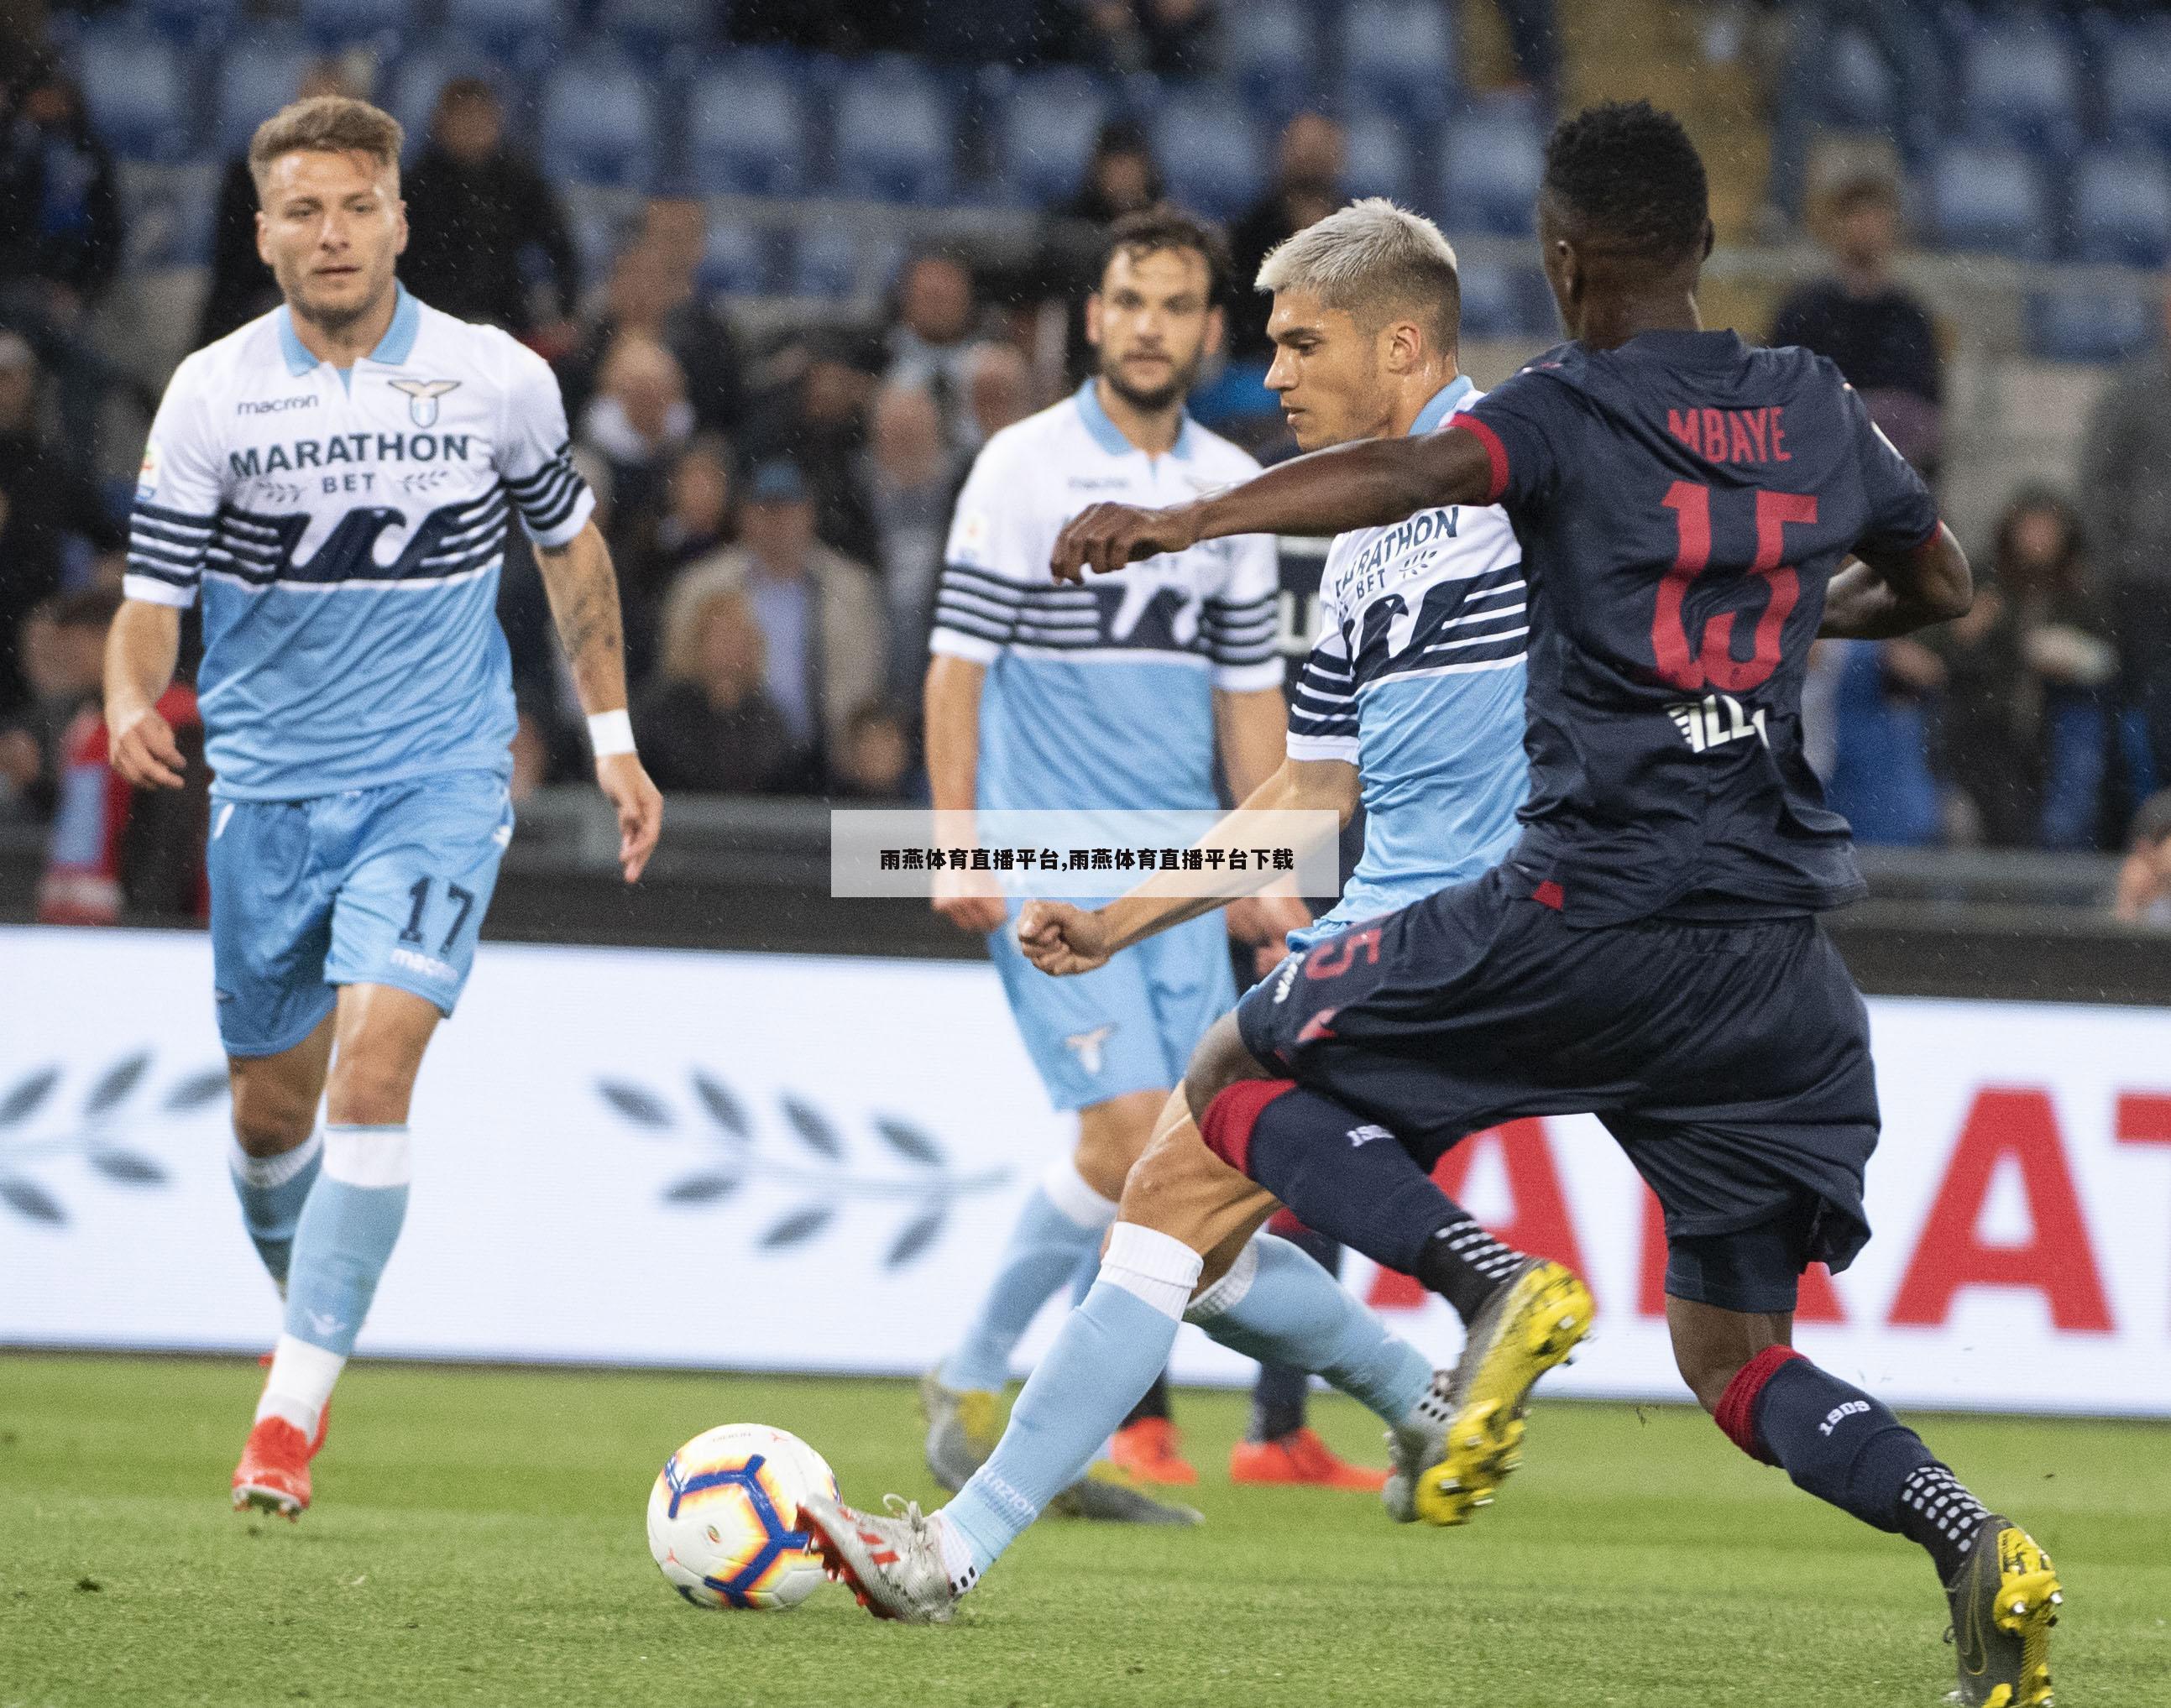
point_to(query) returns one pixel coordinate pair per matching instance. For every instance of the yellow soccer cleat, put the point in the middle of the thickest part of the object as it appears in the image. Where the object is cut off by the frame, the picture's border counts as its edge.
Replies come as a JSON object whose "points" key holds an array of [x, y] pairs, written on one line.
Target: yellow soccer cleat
{"points": [[962, 1428], [1532, 1324], [2004, 1602]]}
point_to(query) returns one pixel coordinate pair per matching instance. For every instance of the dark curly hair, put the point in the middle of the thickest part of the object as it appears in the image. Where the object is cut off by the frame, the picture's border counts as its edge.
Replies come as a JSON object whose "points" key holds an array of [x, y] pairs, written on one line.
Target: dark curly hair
{"points": [[1626, 176], [1165, 225]]}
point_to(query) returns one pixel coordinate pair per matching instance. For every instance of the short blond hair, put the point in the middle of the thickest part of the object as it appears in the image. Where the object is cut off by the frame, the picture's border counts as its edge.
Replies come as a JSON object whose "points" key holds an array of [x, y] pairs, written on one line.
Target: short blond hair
{"points": [[330, 124], [1370, 260]]}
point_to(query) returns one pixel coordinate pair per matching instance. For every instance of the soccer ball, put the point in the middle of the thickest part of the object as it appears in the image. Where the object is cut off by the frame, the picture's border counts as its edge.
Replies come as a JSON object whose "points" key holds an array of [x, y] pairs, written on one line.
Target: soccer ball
{"points": [[722, 1517]]}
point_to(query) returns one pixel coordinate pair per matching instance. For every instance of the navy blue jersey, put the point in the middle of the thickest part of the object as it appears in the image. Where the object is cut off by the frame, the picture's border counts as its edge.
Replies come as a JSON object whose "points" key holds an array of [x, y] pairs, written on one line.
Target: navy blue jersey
{"points": [[1682, 501]]}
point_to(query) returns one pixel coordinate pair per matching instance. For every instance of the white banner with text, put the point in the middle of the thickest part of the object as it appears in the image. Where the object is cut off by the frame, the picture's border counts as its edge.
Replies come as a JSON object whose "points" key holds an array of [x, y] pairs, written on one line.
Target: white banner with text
{"points": [[800, 1163]]}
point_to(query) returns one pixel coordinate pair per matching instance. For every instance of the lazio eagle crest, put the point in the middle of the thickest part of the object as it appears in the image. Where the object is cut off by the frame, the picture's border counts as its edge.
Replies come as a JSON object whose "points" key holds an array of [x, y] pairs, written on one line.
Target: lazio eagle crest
{"points": [[422, 395]]}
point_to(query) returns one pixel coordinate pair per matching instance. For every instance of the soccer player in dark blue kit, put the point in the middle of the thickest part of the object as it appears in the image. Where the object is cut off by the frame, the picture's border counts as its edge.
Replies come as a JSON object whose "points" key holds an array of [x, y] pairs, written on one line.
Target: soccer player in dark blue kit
{"points": [[1694, 513]]}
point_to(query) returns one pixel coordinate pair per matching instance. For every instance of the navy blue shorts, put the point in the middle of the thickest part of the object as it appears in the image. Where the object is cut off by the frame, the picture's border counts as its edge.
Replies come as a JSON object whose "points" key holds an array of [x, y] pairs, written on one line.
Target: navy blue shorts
{"points": [[1731, 1061]]}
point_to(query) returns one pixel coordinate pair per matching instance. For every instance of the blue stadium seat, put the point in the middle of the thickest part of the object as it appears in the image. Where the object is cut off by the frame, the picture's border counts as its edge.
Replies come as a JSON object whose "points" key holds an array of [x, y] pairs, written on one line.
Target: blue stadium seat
{"points": [[132, 79], [338, 24], [651, 30], [825, 263], [1269, 48], [1491, 166], [427, 66], [514, 29], [2136, 85], [2090, 327], [1989, 200], [2121, 207], [199, 22], [1209, 150], [598, 126], [600, 236], [1860, 89], [1049, 122], [1491, 306], [735, 262], [894, 133], [258, 74], [746, 128], [2020, 86], [1400, 54], [1380, 157]]}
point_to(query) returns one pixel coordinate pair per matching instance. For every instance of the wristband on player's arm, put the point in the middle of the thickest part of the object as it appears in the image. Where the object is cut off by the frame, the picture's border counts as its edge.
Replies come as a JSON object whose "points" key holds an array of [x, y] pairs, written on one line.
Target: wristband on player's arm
{"points": [[610, 733]]}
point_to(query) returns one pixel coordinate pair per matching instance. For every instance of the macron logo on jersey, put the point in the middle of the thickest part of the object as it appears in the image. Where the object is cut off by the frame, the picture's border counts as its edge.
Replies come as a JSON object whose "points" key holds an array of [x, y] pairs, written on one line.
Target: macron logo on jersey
{"points": [[1715, 720], [273, 406]]}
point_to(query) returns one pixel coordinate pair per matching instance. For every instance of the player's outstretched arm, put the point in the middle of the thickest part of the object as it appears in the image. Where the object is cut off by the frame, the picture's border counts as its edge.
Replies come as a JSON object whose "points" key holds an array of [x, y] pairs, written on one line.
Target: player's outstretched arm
{"points": [[1061, 939], [1366, 484], [583, 590], [141, 651], [1879, 595]]}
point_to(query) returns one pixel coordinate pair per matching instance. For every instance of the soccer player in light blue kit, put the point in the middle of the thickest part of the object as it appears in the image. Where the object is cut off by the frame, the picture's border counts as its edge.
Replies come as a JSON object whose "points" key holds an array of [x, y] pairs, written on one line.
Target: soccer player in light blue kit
{"points": [[333, 482], [1411, 700], [1041, 697]]}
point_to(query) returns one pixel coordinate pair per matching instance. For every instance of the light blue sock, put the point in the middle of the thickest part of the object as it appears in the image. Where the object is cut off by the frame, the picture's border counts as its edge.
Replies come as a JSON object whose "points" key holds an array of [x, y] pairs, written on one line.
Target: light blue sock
{"points": [[1057, 1234], [1277, 1305], [272, 1190], [345, 1235], [1107, 1354]]}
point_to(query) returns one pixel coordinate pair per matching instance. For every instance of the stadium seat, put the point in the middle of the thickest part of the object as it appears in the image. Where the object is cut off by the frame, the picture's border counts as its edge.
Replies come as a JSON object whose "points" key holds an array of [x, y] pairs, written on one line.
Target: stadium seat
{"points": [[1049, 122], [2136, 85], [746, 128], [2121, 207], [1380, 157], [2090, 326], [1490, 305], [513, 29], [132, 80], [1400, 55], [198, 22], [825, 263], [258, 74], [1988, 199], [894, 133], [423, 72], [651, 30], [1860, 90], [333, 24], [1209, 150], [1269, 49], [2020, 87], [984, 32], [1491, 164], [735, 262], [597, 125]]}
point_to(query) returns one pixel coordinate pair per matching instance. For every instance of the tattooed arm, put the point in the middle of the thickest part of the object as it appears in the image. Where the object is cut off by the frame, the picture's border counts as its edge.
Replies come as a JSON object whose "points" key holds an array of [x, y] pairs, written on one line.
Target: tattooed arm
{"points": [[583, 590]]}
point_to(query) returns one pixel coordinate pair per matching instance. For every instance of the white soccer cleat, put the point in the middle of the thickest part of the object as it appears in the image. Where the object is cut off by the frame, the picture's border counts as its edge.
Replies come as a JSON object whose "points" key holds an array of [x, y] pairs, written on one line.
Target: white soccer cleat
{"points": [[1414, 1445], [894, 1566]]}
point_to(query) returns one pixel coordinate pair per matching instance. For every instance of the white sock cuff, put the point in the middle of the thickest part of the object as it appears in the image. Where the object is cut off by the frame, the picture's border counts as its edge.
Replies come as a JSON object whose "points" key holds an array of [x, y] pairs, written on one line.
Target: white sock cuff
{"points": [[265, 1172], [369, 1156], [1151, 1265], [1069, 1192], [300, 1383], [1228, 1292]]}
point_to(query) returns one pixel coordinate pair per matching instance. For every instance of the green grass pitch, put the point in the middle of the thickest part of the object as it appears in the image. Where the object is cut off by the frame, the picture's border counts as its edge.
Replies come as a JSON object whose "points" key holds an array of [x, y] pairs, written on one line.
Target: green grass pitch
{"points": [[477, 1539]]}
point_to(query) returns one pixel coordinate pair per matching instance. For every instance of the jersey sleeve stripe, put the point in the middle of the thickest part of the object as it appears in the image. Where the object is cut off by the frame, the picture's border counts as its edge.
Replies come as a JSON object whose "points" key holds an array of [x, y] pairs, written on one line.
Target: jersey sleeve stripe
{"points": [[1496, 453], [152, 591], [144, 511], [1248, 678], [153, 570], [992, 585]]}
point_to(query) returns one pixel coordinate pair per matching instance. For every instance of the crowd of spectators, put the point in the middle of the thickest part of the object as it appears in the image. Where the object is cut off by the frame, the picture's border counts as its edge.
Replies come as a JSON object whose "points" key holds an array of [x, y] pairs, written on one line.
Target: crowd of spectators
{"points": [[777, 504]]}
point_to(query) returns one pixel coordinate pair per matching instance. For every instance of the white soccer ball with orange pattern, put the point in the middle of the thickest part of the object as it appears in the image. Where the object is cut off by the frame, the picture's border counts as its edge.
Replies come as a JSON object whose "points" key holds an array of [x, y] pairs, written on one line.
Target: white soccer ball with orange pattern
{"points": [[723, 1519]]}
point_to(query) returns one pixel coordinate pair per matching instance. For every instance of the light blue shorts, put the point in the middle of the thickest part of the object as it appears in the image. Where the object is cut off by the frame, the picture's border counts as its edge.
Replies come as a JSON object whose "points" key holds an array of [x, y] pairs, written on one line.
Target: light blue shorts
{"points": [[369, 886], [1128, 1026]]}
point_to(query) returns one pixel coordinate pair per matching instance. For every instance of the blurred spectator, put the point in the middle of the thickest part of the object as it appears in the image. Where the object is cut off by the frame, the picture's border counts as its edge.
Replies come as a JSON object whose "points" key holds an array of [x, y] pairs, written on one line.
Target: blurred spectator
{"points": [[1881, 780], [241, 286], [699, 518], [59, 240], [631, 432], [477, 208], [62, 643], [997, 389], [1534, 40], [654, 288], [1905, 36], [1870, 325], [2126, 493], [819, 422], [1170, 38], [706, 724], [932, 340], [877, 762], [911, 479], [1307, 187], [44, 505], [819, 613], [2026, 724], [2144, 880], [1121, 176]]}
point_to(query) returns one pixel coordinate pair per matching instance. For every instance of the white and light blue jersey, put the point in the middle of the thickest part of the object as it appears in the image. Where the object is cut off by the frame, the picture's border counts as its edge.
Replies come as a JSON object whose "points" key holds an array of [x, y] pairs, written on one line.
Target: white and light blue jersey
{"points": [[344, 529], [1416, 679], [1101, 695]]}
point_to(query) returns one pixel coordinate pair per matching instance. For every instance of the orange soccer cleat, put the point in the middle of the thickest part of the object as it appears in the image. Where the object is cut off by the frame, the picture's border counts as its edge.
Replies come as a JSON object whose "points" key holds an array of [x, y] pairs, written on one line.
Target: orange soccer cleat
{"points": [[1150, 1451], [1299, 1457], [273, 1475]]}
